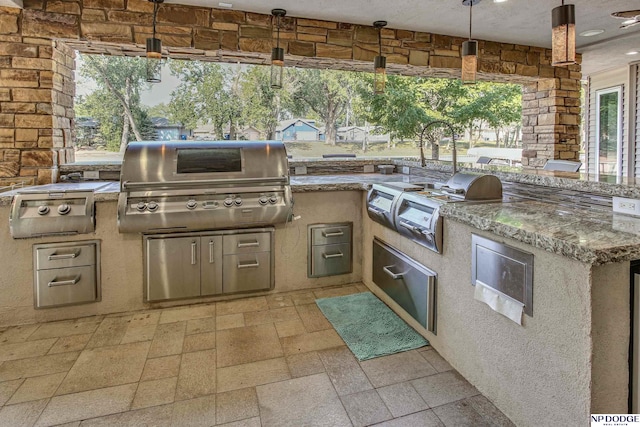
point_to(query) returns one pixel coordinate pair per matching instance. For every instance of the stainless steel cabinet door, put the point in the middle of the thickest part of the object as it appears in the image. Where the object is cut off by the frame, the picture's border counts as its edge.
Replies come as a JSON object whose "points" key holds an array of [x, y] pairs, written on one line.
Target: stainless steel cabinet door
{"points": [[172, 268], [211, 265]]}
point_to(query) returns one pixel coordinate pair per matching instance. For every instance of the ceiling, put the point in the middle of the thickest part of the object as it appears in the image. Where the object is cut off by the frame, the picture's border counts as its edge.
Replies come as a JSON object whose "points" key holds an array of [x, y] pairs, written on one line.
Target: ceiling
{"points": [[526, 22]]}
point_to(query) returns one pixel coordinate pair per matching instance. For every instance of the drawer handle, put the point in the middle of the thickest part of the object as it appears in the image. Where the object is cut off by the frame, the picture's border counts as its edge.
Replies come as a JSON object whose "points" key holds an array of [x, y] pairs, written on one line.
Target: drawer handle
{"points": [[332, 234], [254, 264], [253, 244], [64, 282], [375, 212], [56, 257], [393, 275], [211, 260], [336, 255], [411, 227], [194, 248]]}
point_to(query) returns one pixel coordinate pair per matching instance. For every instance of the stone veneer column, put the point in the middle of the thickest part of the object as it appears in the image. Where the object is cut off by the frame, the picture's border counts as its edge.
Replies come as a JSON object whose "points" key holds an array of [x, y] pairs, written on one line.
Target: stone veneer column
{"points": [[36, 104]]}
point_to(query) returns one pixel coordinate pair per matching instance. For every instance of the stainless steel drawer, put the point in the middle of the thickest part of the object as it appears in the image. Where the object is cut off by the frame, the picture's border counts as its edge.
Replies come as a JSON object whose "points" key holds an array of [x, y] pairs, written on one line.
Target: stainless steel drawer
{"points": [[61, 255], [246, 243], [246, 272], [64, 286], [329, 234], [410, 284], [329, 260]]}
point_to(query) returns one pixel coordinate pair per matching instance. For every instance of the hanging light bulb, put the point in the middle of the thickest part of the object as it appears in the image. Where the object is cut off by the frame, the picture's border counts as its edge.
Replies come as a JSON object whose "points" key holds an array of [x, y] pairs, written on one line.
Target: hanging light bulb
{"points": [[379, 62], [154, 50], [563, 35], [469, 51], [277, 53]]}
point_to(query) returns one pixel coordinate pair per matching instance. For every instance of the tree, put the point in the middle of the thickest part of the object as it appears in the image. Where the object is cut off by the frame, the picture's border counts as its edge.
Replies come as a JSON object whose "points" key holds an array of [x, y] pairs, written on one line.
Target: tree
{"points": [[121, 78], [325, 92]]}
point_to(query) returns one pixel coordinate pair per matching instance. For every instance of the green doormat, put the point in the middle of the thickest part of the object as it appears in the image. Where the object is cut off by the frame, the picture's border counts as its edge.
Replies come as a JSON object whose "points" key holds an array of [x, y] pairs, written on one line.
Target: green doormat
{"points": [[368, 326]]}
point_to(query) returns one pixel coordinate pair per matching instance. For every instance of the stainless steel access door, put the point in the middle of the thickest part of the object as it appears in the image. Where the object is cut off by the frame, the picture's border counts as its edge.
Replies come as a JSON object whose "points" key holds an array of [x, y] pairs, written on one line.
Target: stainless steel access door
{"points": [[172, 267], [408, 283]]}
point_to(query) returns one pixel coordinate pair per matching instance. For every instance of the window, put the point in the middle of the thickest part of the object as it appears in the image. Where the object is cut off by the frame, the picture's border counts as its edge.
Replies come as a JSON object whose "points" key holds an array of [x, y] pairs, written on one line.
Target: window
{"points": [[609, 131]]}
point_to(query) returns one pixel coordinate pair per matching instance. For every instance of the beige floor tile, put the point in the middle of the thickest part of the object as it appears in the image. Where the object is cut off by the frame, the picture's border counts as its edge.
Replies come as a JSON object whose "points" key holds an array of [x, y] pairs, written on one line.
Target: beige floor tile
{"points": [[336, 292], [402, 399], [419, 419], [198, 342], [36, 366], [344, 371], [7, 388], [236, 405], [161, 367], [229, 321], [168, 339], [110, 332], [252, 318], [105, 367], [252, 374], [145, 318], [305, 401], [87, 404], [362, 287], [71, 424], [37, 388], [443, 388], [303, 298], [311, 342], [284, 314], [139, 333], [22, 350], [249, 344], [279, 301], [396, 368], [303, 364], [290, 328], [436, 360], [66, 328], [154, 393], [365, 408], [182, 314], [249, 422], [312, 318], [200, 326], [17, 333], [22, 414], [70, 343], [241, 306], [460, 414], [156, 416], [195, 412], [197, 375], [489, 412]]}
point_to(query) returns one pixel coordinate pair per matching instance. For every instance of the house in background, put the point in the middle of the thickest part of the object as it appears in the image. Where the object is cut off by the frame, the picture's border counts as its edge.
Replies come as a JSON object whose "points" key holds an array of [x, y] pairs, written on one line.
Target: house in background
{"points": [[358, 133], [167, 131], [208, 133], [86, 130], [297, 130]]}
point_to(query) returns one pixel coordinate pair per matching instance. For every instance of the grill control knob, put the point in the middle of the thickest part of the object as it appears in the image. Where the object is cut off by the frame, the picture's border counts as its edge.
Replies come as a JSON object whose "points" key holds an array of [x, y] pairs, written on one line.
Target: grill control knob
{"points": [[141, 206], [273, 199], [191, 204], [152, 206], [263, 200], [228, 202], [64, 209], [238, 201], [43, 210]]}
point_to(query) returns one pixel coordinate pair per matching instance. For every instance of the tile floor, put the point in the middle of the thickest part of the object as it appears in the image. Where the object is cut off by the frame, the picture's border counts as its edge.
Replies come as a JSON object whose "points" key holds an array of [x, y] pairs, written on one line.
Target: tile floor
{"points": [[259, 361]]}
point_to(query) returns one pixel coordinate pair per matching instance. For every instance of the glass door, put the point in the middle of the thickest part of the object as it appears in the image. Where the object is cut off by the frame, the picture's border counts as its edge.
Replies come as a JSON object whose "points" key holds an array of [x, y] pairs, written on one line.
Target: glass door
{"points": [[609, 131]]}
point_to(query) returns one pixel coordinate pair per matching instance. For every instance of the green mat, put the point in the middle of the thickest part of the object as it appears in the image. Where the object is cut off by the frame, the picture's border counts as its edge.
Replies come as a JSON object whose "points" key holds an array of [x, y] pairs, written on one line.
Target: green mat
{"points": [[368, 326]]}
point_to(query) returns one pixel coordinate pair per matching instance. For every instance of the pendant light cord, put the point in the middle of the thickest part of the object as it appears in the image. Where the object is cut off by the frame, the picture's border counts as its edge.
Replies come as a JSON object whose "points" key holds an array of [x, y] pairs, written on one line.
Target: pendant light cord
{"points": [[470, 16], [278, 31], [155, 13]]}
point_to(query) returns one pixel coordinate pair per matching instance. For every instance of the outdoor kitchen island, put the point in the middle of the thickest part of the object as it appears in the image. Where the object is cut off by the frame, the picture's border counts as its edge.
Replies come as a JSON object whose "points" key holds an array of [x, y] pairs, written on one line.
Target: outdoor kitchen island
{"points": [[566, 361]]}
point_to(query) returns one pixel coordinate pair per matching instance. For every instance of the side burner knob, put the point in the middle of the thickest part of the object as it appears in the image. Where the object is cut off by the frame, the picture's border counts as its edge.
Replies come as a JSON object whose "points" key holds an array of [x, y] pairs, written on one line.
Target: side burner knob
{"points": [[141, 206], [192, 204], [64, 209], [228, 202], [152, 206], [43, 210], [273, 199], [238, 201], [263, 200]]}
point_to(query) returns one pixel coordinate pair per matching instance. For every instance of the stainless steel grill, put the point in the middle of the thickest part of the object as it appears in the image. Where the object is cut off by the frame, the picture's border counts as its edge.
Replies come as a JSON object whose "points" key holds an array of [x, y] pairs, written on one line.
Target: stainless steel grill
{"points": [[168, 186]]}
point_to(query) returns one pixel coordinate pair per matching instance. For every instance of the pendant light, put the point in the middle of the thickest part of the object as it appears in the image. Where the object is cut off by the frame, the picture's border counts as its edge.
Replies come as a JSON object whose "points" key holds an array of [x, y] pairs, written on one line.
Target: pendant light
{"points": [[379, 62], [469, 51], [154, 49], [563, 36], [277, 53]]}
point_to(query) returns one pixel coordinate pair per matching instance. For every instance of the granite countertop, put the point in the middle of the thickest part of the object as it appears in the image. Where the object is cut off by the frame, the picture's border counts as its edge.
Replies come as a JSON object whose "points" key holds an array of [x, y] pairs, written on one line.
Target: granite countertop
{"points": [[592, 235]]}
